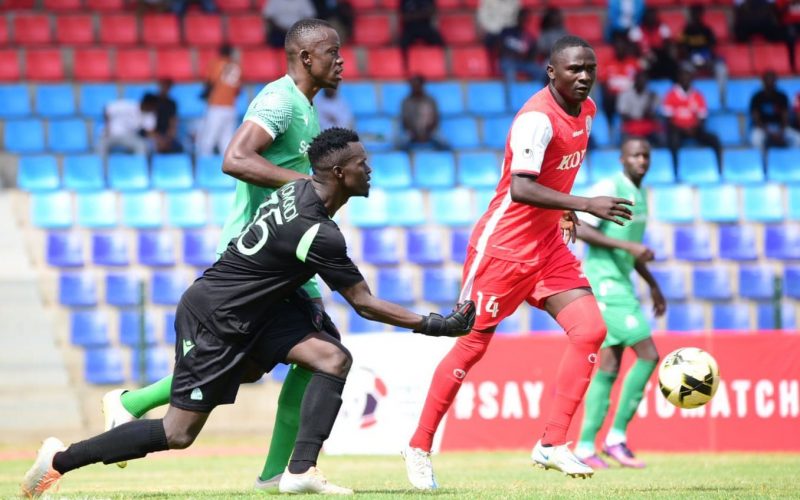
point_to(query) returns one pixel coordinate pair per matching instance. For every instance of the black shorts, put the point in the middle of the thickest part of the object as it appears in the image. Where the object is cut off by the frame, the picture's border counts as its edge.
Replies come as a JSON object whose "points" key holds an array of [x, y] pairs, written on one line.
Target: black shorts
{"points": [[208, 368]]}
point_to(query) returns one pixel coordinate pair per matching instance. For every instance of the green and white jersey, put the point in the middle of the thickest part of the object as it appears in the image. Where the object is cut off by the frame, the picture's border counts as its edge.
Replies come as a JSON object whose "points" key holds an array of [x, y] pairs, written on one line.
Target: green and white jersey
{"points": [[608, 270]]}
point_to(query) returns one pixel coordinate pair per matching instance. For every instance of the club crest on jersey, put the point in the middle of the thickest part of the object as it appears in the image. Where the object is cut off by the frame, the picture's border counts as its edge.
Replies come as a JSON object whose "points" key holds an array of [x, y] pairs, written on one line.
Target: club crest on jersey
{"points": [[571, 161], [588, 125]]}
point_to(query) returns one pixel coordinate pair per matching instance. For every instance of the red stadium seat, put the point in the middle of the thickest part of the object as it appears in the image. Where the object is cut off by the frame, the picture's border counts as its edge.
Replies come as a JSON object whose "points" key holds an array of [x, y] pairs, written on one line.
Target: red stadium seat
{"points": [[470, 62], [662, 3], [472, 4], [570, 4], [4, 31], [262, 65], [134, 65], [351, 66], [604, 53], [390, 4], [105, 5], [160, 29], [9, 65], [119, 29], [204, 58], [737, 58], [174, 63], [588, 26], [246, 31], [32, 29], [44, 65], [427, 61], [92, 65], [675, 19], [62, 5], [772, 56], [372, 30], [448, 4], [386, 63], [236, 5], [75, 30], [458, 29], [533, 23], [718, 22], [362, 5], [18, 4], [203, 30]]}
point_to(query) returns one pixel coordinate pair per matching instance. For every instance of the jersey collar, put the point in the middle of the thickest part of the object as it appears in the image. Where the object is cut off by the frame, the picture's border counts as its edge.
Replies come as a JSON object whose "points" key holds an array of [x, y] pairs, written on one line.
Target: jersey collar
{"points": [[296, 89]]}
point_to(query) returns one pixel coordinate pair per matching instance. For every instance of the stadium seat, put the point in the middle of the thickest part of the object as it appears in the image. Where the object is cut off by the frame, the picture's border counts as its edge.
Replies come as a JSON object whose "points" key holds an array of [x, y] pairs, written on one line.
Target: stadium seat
{"points": [[64, 249], [221, 203], [262, 65], [719, 203], [245, 31], [396, 284], [458, 29], [661, 170], [588, 26], [782, 241], [203, 30], [380, 246], [75, 30], [541, 321], [23, 136], [10, 67], [449, 97], [124, 289], [210, 174], [712, 283], [478, 169], [97, 209], [93, 98], [67, 136], [513, 324], [739, 93], [130, 328], [32, 29], [763, 203], [200, 247], [356, 324], [405, 207], [142, 209], [110, 249], [77, 289], [279, 372], [361, 96], [136, 91], [386, 63], [495, 131], [756, 281], [730, 316], [128, 172], [88, 328], [54, 100], [459, 239], [710, 91], [782, 165], [483, 197], [685, 317], [176, 64], [742, 166], [119, 29], [520, 92], [51, 210], [602, 164], [156, 248], [169, 327], [234, 5], [737, 242], [697, 166], [103, 366], [157, 362], [38, 173], [692, 243], [672, 282], [440, 285], [83, 172], [134, 65], [452, 207], [486, 98], [172, 171], [427, 61], [768, 316], [655, 239], [63, 5], [434, 169], [425, 246], [16, 101], [167, 287], [738, 59], [461, 133], [372, 30], [392, 95], [377, 133], [771, 57], [161, 29], [391, 170], [44, 65], [673, 203], [187, 209], [726, 126], [791, 281]]}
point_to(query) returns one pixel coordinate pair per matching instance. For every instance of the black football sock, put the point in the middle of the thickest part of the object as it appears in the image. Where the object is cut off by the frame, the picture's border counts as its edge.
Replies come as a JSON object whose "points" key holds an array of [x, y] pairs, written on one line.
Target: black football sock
{"points": [[317, 414], [128, 441]]}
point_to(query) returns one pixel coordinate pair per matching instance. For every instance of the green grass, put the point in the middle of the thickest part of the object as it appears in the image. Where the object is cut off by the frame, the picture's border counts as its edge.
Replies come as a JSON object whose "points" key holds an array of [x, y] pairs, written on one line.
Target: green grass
{"points": [[505, 476]]}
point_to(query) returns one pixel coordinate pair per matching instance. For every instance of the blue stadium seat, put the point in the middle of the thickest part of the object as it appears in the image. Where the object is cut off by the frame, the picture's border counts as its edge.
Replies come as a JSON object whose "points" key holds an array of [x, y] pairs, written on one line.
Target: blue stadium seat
{"points": [[200, 247], [697, 166], [520, 92], [128, 172], [763, 203], [396, 284], [739, 92], [391, 170], [167, 287], [88, 328], [460, 133], [541, 321], [67, 136], [377, 133], [782, 165], [719, 203], [103, 366], [187, 208], [730, 316], [357, 324], [172, 171], [83, 172], [793, 195], [459, 240], [603, 164], [23, 136], [380, 246], [672, 282], [187, 97], [93, 98], [243, 99], [16, 101], [478, 169], [38, 173], [130, 322], [279, 372], [710, 90], [110, 249], [123, 289], [169, 327], [97, 209], [685, 317], [756, 282], [495, 131], [392, 95], [210, 174], [661, 172], [483, 197], [673, 203], [441, 285], [727, 128], [156, 248], [768, 320], [65, 249], [712, 283], [449, 97], [782, 241], [362, 97], [425, 246], [737, 242], [434, 169], [406, 207], [513, 324], [692, 243], [453, 207], [600, 134], [76, 289], [54, 100], [655, 239], [51, 210], [369, 212], [135, 91], [486, 98], [742, 166], [790, 85], [157, 364], [221, 203], [791, 281], [142, 209]]}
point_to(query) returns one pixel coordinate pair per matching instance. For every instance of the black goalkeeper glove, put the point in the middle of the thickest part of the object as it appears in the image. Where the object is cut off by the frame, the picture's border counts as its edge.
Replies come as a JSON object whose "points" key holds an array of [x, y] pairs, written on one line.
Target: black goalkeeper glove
{"points": [[323, 322], [457, 323]]}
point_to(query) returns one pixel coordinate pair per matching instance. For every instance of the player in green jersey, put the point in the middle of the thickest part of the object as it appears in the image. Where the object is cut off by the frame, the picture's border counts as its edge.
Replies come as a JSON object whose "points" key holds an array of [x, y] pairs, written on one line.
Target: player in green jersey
{"points": [[614, 251], [268, 150]]}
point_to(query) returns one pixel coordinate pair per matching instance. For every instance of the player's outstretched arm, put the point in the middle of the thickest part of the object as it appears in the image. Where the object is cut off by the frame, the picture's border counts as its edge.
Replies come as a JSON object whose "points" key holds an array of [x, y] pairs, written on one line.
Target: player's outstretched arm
{"points": [[243, 160], [457, 323], [659, 302]]}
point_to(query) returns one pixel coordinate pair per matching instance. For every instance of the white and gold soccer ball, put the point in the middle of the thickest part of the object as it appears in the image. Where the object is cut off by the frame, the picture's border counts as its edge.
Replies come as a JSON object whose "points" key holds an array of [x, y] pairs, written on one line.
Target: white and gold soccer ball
{"points": [[688, 377]]}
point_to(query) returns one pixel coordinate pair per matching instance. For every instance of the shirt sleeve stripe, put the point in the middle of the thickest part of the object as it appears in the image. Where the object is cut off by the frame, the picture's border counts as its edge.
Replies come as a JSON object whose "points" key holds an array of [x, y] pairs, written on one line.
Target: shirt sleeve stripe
{"points": [[305, 242], [261, 124]]}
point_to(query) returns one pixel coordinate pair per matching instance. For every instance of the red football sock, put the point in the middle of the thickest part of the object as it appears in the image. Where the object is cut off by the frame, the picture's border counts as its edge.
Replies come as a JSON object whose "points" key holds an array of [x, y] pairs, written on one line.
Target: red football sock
{"points": [[582, 321], [446, 382]]}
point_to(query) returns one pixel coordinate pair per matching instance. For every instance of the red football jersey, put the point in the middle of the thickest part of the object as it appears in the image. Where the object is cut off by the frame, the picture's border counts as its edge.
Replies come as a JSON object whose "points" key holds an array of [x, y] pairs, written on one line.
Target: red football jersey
{"points": [[547, 142]]}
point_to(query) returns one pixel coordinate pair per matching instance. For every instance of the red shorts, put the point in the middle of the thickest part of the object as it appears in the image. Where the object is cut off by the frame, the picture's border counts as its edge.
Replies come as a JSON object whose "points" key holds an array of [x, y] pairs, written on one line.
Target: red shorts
{"points": [[499, 286]]}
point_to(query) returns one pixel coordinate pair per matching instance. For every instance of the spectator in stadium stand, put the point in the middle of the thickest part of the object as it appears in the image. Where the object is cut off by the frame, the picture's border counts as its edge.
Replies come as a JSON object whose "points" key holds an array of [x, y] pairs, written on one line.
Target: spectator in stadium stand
{"points": [[281, 15], [332, 110], [698, 44], [517, 49], [789, 11], [339, 13], [179, 7], [494, 16], [657, 47], [622, 16], [126, 125], [419, 118], [617, 74], [223, 83], [551, 29], [769, 114], [685, 111], [638, 109], [164, 136], [757, 19], [416, 23]]}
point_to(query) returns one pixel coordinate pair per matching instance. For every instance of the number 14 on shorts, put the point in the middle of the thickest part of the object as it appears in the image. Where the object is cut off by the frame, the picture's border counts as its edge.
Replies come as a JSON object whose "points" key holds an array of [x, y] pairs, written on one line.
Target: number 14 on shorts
{"points": [[492, 306]]}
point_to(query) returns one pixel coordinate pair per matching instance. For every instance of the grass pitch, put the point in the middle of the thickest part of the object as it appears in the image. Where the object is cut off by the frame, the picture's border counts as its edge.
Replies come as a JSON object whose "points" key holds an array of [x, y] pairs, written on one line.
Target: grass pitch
{"points": [[214, 473]]}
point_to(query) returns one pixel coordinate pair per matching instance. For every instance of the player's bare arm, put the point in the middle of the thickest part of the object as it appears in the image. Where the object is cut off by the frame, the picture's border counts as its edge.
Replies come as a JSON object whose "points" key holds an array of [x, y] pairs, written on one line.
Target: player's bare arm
{"points": [[243, 160], [659, 302], [596, 238]]}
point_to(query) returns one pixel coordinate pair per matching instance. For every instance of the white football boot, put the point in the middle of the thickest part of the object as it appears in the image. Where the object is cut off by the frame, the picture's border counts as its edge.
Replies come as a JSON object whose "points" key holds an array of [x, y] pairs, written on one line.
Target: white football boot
{"points": [[419, 468], [311, 481], [41, 476], [561, 459], [114, 414], [270, 484]]}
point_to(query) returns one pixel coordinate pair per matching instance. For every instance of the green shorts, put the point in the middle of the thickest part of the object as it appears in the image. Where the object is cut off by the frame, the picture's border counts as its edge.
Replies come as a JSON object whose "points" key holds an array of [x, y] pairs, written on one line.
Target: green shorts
{"points": [[625, 321]]}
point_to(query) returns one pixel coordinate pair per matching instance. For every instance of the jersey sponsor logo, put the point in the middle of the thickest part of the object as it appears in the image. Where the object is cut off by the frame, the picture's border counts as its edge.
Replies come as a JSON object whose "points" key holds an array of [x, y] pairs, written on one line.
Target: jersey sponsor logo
{"points": [[571, 161], [303, 147], [305, 120], [196, 395], [577, 133], [188, 345]]}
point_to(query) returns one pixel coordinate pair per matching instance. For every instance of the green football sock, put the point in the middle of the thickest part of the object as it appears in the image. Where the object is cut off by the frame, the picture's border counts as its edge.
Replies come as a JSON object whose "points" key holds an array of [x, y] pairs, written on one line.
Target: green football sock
{"points": [[597, 401], [287, 421], [632, 392], [140, 401]]}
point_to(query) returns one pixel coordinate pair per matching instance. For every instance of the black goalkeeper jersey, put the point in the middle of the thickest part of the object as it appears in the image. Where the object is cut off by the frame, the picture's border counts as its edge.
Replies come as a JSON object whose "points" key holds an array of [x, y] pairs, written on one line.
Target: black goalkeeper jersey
{"points": [[290, 239]]}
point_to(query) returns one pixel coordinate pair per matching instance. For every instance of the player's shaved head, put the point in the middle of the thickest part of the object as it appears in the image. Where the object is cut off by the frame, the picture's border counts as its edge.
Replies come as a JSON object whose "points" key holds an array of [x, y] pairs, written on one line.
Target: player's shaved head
{"points": [[633, 140], [304, 34], [566, 42], [331, 147]]}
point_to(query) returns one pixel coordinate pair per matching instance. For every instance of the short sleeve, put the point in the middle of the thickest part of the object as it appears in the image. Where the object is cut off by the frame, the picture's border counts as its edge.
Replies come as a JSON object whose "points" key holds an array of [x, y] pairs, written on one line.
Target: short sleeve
{"points": [[531, 132], [323, 248], [605, 187], [271, 111]]}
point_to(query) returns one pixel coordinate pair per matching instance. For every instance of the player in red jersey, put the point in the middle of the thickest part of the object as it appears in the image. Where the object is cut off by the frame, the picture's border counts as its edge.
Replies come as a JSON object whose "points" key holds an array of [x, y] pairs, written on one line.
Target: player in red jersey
{"points": [[518, 253]]}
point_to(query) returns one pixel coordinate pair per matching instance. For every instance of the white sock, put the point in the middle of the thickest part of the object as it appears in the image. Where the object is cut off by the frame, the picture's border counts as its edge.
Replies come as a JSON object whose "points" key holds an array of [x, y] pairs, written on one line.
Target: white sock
{"points": [[615, 437], [584, 450]]}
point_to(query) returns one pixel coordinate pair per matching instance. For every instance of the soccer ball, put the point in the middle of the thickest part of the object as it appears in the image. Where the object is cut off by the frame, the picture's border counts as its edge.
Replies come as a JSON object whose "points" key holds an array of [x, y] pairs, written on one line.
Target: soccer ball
{"points": [[688, 377]]}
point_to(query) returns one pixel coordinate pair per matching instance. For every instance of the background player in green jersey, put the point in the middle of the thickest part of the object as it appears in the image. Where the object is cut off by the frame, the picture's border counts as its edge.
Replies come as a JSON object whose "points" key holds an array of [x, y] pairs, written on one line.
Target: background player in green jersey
{"points": [[614, 251], [268, 150]]}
